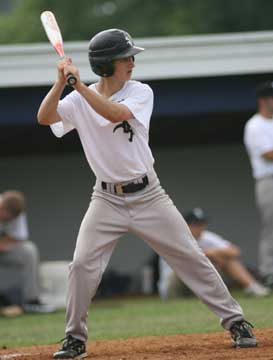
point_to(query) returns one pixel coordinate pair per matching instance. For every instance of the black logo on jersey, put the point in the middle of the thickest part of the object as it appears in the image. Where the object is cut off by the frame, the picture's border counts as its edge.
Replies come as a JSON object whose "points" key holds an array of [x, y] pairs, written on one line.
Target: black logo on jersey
{"points": [[127, 128]]}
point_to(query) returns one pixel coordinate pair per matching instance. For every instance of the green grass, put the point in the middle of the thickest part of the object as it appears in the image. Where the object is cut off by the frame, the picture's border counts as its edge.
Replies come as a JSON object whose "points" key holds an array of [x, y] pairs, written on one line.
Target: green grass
{"points": [[124, 318]]}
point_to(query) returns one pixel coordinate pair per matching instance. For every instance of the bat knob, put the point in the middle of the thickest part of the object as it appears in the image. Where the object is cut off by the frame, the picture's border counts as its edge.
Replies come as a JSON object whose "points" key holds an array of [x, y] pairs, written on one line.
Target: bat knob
{"points": [[71, 80]]}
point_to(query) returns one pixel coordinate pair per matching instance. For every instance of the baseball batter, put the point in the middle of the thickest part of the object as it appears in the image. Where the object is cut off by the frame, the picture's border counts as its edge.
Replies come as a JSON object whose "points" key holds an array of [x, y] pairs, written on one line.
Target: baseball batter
{"points": [[112, 118]]}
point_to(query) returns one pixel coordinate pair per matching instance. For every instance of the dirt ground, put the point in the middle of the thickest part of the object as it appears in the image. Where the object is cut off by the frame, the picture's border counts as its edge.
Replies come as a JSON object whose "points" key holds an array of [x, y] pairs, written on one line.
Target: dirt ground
{"points": [[213, 346]]}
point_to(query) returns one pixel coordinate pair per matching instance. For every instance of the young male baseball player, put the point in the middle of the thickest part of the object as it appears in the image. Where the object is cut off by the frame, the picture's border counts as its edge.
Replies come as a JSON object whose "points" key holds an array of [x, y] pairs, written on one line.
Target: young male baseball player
{"points": [[112, 118]]}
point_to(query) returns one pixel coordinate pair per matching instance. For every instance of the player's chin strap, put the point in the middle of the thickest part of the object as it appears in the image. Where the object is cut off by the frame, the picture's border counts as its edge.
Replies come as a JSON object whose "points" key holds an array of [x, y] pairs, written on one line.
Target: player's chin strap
{"points": [[127, 128]]}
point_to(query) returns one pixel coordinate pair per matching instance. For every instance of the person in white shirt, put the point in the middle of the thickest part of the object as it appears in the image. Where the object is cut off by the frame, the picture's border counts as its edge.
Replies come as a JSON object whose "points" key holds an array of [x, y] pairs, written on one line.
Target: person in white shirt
{"points": [[17, 251], [112, 118], [258, 139], [222, 253]]}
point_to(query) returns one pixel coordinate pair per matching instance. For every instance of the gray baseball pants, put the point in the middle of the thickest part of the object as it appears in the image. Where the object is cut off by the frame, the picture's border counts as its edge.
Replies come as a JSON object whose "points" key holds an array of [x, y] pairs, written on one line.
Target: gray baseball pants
{"points": [[264, 201], [151, 215]]}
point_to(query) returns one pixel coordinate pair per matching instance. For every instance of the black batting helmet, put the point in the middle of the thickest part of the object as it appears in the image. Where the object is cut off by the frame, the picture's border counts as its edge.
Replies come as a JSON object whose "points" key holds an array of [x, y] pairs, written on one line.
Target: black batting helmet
{"points": [[107, 46]]}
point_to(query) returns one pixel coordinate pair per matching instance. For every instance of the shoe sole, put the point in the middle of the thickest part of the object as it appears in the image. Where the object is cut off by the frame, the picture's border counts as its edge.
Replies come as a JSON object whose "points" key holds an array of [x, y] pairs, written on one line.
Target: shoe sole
{"points": [[246, 343], [80, 356], [84, 355]]}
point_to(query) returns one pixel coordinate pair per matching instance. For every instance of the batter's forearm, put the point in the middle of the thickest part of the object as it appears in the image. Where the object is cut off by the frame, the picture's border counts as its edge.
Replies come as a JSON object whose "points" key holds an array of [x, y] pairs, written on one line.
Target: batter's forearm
{"points": [[47, 113], [109, 110]]}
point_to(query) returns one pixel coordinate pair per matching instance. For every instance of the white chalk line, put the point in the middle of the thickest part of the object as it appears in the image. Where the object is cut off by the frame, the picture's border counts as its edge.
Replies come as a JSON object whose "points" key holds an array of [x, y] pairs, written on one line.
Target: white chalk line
{"points": [[12, 356]]}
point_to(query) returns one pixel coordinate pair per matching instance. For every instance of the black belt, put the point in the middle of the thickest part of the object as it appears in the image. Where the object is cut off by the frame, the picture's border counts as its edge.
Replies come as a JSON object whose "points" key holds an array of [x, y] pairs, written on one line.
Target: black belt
{"points": [[128, 188]]}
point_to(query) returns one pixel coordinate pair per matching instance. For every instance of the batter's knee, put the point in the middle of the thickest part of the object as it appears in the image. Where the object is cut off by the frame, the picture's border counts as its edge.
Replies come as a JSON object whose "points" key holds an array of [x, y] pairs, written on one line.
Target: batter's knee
{"points": [[77, 265], [82, 268]]}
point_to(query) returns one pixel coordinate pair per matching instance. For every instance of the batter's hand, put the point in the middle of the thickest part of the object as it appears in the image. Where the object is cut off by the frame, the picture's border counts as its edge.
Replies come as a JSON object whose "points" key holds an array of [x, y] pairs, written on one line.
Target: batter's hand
{"points": [[61, 65], [71, 69]]}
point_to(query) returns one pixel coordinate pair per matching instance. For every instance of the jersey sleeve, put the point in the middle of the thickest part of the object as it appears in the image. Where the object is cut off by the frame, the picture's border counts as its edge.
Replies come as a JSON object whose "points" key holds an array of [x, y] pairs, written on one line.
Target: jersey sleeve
{"points": [[18, 228], [67, 109], [257, 140], [61, 128], [140, 103]]}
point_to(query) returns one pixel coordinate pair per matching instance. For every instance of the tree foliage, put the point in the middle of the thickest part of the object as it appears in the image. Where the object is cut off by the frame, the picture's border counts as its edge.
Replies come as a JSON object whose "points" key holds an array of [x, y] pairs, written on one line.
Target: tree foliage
{"points": [[81, 19]]}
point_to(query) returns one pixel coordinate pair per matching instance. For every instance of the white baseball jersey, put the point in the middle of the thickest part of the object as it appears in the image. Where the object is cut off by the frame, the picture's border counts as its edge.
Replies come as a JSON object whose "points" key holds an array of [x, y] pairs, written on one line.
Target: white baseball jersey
{"points": [[110, 154], [258, 139], [16, 228]]}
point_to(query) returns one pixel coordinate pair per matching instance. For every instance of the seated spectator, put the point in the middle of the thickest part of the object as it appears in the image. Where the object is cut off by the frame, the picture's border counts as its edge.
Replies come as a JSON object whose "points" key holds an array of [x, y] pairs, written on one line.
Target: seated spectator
{"points": [[222, 253], [17, 251]]}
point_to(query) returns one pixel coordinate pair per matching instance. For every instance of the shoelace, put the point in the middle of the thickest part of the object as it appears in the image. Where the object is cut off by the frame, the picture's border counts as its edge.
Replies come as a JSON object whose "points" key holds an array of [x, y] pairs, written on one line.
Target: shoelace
{"points": [[242, 326], [67, 341], [126, 128]]}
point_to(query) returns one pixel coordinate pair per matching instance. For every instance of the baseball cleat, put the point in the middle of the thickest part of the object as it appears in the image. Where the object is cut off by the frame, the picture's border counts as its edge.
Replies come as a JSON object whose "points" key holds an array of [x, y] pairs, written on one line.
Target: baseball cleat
{"points": [[241, 334], [71, 349]]}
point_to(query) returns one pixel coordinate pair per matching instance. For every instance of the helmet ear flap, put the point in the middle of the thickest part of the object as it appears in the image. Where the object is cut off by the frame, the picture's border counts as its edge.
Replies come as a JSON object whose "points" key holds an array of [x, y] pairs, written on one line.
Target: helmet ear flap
{"points": [[103, 69]]}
